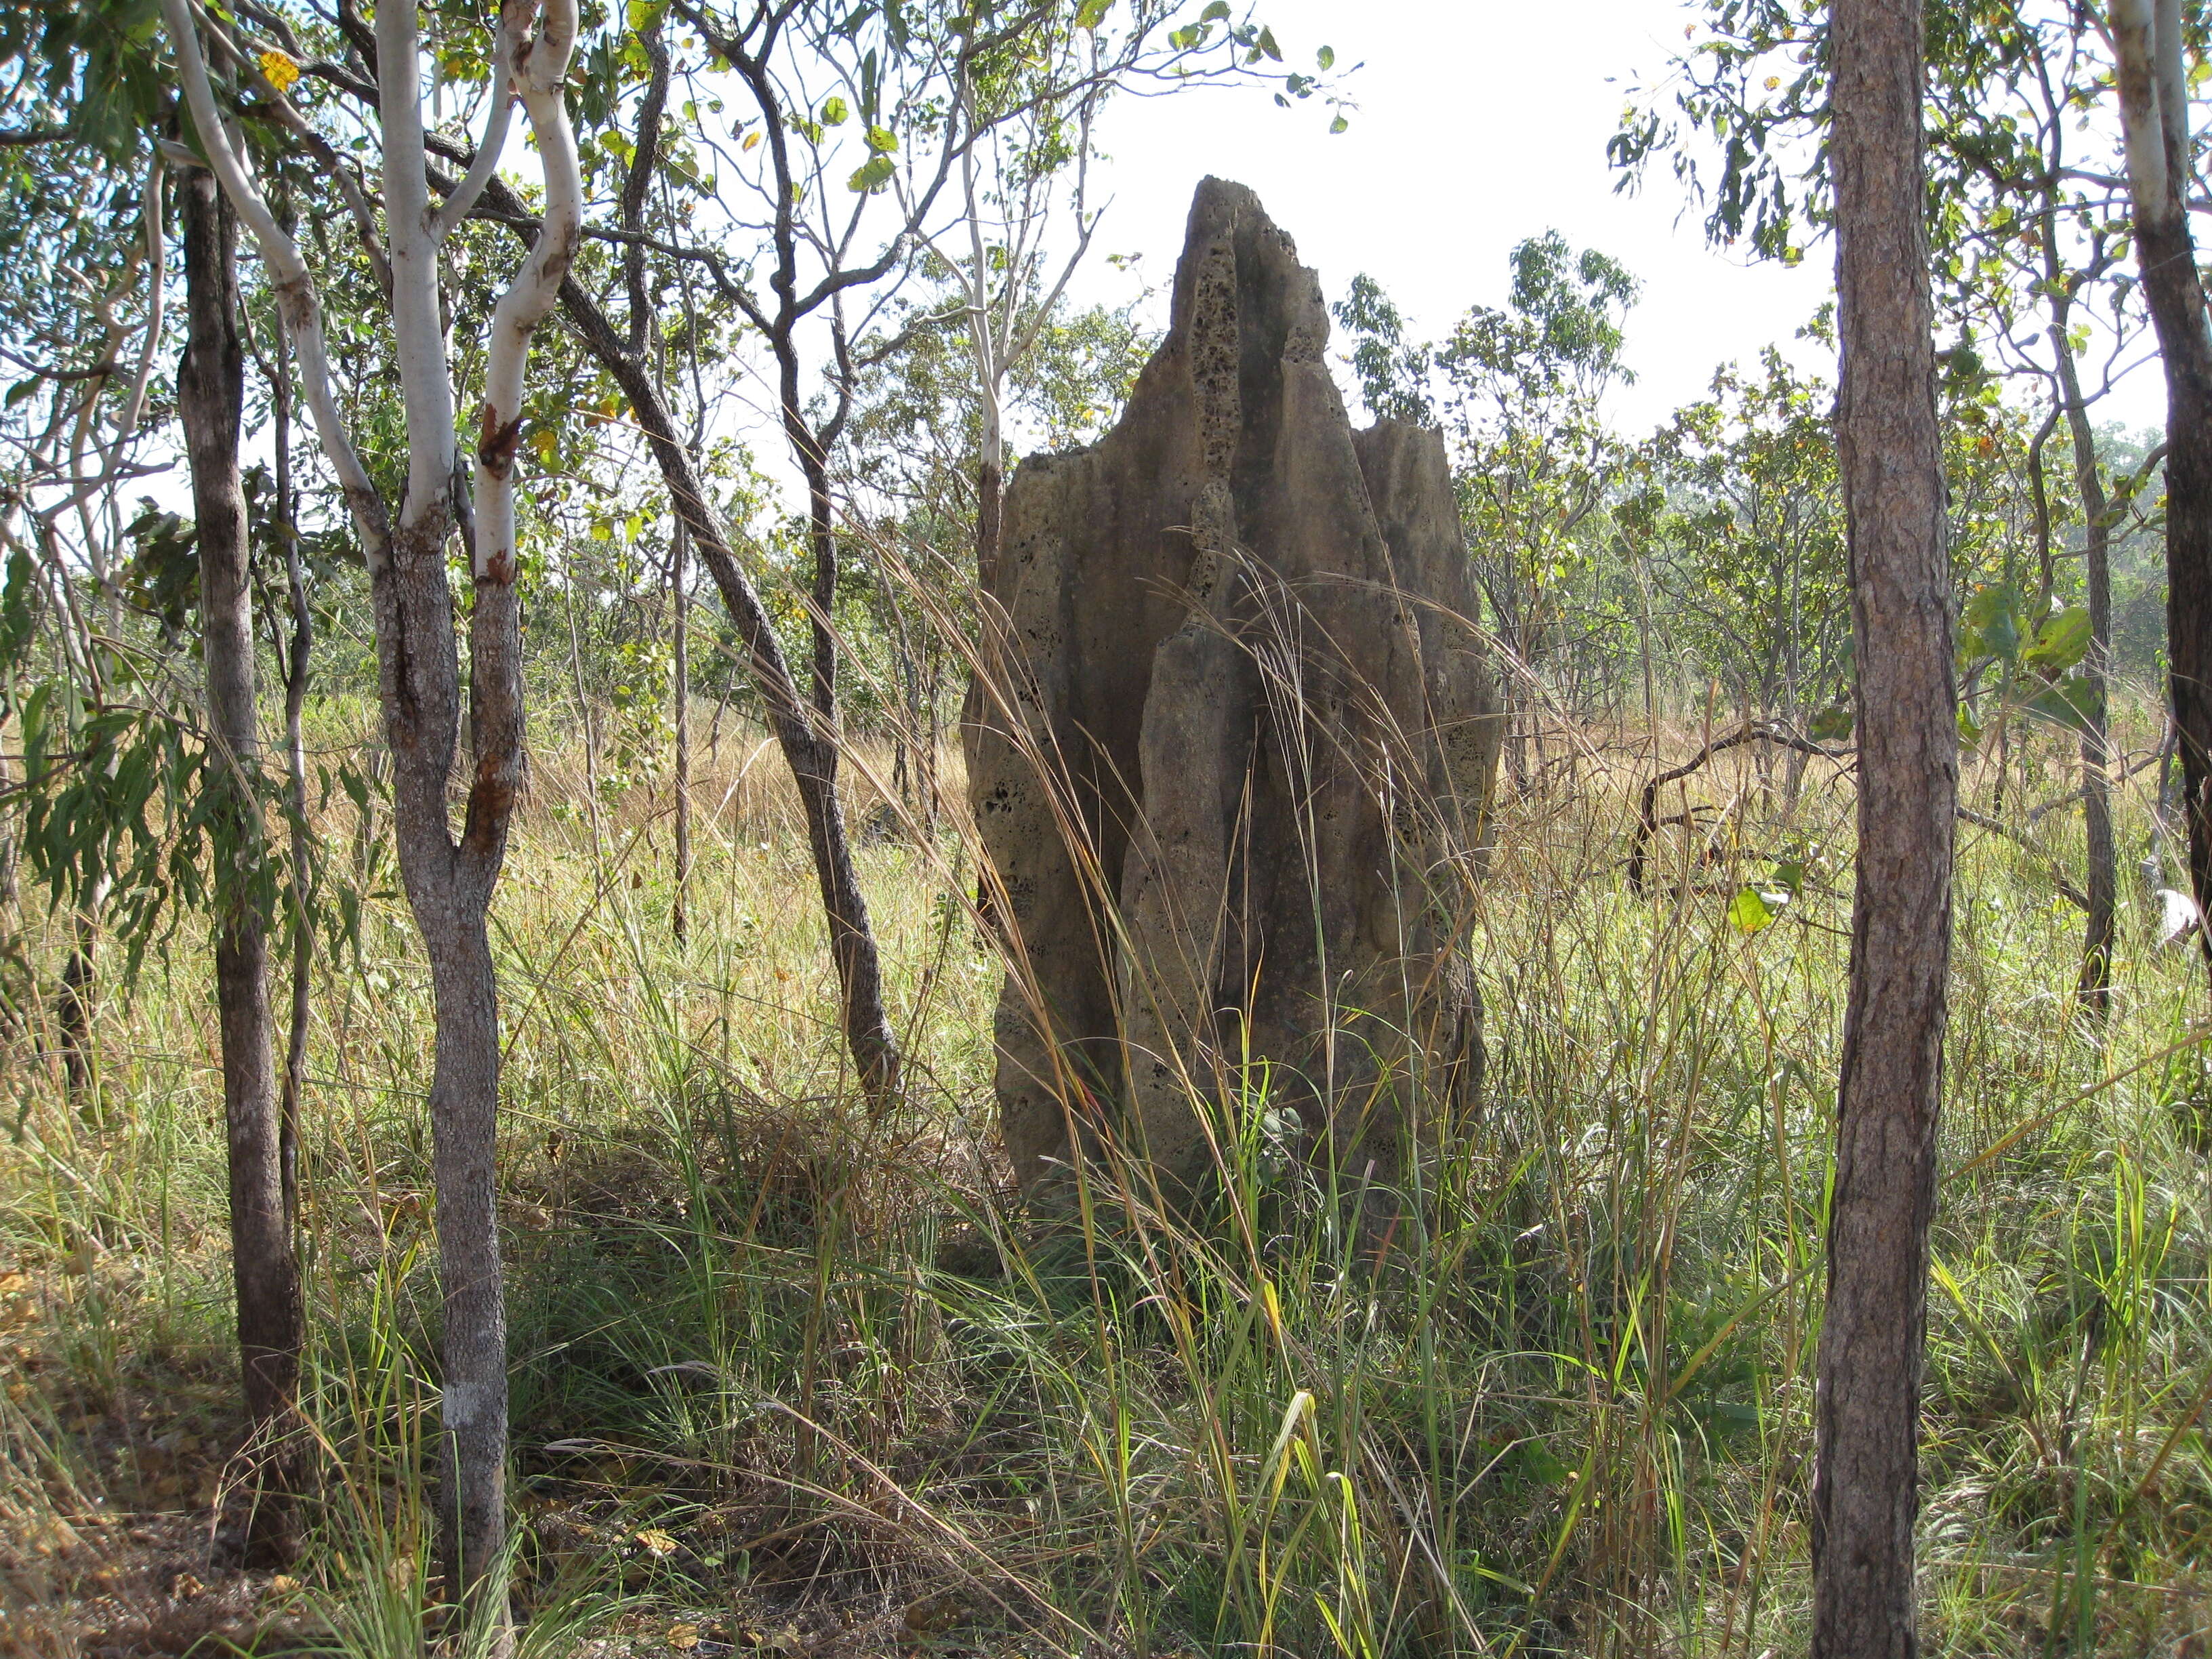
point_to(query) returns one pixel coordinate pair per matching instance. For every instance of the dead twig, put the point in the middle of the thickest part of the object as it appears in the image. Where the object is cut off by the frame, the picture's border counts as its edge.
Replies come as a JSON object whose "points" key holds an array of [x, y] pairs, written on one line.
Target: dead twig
{"points": [[1750, 731]]}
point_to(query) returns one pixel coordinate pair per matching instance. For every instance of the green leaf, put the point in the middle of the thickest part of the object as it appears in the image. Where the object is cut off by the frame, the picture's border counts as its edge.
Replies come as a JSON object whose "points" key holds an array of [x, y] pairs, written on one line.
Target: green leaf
{"points": [[18, 620], [1339, 124], [1832, 725], [1214, 12], [1092, 13], [881, 140], [2062, 641], [834, 111], [1326, 58], [22, 391], [1267, 45], [2071, 702], [1537, 1464], [1990, 625], [33, 728], [873, 174], [1752, 909]]}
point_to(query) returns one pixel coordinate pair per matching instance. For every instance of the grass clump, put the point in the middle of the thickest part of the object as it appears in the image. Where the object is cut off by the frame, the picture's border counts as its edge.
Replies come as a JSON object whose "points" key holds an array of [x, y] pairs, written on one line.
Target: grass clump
{"points": [[790, 1376]]}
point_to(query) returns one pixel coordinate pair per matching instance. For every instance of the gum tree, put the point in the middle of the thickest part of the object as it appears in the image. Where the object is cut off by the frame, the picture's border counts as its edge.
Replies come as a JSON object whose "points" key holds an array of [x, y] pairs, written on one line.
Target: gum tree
{"points": [[2148, 46], [2027, 234], [1873, 1331], [449, 871]]}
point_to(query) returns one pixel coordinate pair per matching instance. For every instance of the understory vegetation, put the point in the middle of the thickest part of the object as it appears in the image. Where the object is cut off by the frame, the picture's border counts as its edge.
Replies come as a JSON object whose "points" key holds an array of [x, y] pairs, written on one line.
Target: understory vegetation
{"points": [[792, 1376]]}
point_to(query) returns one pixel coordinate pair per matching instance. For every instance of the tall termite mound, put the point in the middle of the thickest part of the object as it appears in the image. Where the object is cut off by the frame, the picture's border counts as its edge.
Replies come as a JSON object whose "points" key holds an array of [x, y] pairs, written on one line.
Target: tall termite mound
{"points": [[1231, 752]]}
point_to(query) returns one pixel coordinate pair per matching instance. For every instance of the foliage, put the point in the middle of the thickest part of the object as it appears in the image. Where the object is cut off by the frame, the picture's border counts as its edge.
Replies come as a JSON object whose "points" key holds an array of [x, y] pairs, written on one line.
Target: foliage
{"points": [[1737, 503]]}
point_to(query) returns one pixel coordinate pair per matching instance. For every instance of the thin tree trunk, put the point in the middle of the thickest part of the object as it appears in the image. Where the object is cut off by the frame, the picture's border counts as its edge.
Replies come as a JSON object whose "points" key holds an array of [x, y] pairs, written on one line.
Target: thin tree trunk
{"points": [[990, 508], [8, 853], [906, 768], [680, 575], [2154, 116], [2102, 881], [822, 538], [990, 511], [1867, 1409], [298, 656], [448, 886], [465, 1132], [210, 393], [867, 1029], [808, 748]]}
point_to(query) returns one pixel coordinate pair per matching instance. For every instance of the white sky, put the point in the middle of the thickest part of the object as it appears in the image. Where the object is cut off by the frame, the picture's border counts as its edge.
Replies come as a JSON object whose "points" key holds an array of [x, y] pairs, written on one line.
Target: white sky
{"points": [[1479, 123]]}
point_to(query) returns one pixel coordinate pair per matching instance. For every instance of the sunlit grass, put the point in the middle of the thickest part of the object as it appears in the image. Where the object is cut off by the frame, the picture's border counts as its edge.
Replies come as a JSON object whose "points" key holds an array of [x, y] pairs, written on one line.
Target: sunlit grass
{"points": [[1567, 1410]]}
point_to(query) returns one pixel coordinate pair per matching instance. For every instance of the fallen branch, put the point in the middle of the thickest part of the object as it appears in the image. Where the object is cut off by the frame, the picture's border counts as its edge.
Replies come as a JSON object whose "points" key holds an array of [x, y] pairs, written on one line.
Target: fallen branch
{"points": [[2067, 890], [1750, 731]]}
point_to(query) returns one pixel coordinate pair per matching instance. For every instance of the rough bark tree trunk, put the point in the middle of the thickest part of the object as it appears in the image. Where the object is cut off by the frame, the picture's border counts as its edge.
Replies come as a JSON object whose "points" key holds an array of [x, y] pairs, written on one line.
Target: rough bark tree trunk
{"points": [[1867, 1410], [2155, 117], [210, 393], [867, 1027]]}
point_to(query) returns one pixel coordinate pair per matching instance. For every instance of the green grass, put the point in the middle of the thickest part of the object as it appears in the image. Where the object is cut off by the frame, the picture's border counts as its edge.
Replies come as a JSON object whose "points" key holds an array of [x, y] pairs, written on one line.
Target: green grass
{"points": [[1568, 1411]]}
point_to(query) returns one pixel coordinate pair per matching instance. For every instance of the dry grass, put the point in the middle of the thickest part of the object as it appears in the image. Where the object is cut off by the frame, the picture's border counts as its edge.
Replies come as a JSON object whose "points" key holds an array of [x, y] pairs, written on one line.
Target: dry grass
{"points": [[753, 1412]]}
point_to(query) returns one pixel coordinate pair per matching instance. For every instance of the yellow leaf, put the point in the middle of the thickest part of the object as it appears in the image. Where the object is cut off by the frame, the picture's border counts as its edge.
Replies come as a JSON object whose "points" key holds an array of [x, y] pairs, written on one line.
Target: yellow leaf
{"points": [[751, 139], [545, 441], [657, 1541], [281, 70], [682, 1637], [1772, 81]]}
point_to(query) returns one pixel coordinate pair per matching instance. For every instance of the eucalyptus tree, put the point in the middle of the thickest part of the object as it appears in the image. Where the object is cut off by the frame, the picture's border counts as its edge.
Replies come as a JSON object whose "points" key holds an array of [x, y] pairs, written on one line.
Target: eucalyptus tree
{"points": [[1873, 1327], [81, 267], [93, 816], [210, 399], [2028, 237], [2150, 50], [449, 876]]}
